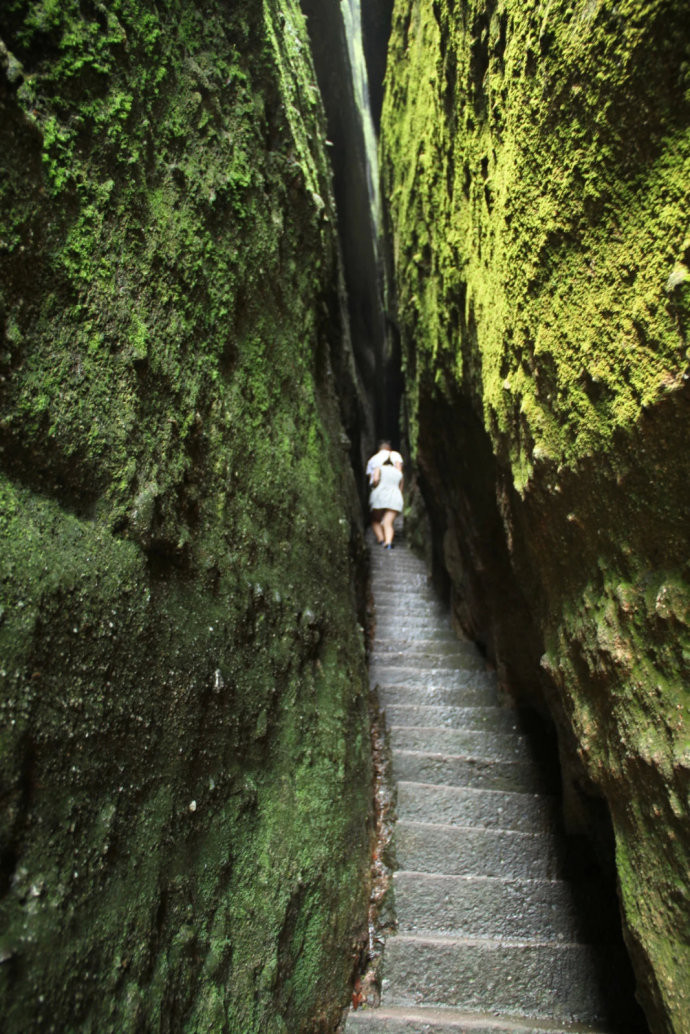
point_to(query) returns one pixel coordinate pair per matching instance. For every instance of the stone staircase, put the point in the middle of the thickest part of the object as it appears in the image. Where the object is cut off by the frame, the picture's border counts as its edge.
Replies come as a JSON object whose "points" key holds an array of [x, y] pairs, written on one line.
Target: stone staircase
{"points": [[490, 930]]}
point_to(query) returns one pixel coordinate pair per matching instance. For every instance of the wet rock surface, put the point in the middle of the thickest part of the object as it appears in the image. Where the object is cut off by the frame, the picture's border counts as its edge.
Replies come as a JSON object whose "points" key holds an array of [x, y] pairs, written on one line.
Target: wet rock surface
{"points": [[503, 924]]}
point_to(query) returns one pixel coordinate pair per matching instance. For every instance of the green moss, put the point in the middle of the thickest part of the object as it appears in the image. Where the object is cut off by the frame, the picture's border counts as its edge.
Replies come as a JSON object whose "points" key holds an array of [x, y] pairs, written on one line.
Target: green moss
{"points": [[536, 161], [551, 225], [183, 677]]}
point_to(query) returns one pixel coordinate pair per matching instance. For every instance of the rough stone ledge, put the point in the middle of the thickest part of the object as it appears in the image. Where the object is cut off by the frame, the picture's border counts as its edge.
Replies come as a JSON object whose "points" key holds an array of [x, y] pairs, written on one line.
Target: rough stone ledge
{"points": [[452, 1021]]}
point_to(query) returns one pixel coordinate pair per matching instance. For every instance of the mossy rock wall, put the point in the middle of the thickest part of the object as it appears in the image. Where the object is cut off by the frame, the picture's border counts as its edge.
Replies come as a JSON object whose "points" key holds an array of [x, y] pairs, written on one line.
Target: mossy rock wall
{"points": [[536, 160], [184, 747]]}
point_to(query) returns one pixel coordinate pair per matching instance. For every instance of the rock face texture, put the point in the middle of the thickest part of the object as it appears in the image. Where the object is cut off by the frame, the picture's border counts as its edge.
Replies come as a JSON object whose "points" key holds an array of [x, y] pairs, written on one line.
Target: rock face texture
{"points": [[183, 687], [536, 162]]}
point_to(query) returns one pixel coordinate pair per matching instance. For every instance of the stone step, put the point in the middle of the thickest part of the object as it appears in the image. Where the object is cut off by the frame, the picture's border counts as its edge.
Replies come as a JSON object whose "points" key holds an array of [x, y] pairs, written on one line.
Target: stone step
{"points": [[424, 609], [411, 1020], [401, 594], [448, 678], [400, 553], [389, 640], [485, 809], [491, 907], [463, 851], [389, 585], [387, 623], [421, 677], [390, 618], [522, 979], [445, 660], [388, 577], [426, 645], [483, 699], [414, 604], [499, 746], [406, 634], [441, 637], [404, 579], [499, 719], [424, 650], [417, 603], [440, 769], [396, 576], [390, 622], [441, 673], [478, 690], [385, 571], [403, 584]]}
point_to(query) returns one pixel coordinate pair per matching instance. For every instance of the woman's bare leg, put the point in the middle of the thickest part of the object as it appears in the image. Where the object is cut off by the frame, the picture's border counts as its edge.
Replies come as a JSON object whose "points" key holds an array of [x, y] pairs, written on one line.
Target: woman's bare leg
{"points": [[387, 524], [377, 526]]}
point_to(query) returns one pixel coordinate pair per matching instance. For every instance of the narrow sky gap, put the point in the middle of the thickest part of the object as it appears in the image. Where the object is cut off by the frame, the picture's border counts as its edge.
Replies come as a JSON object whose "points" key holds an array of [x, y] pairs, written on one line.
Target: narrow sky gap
{"points": [[352, 19]]}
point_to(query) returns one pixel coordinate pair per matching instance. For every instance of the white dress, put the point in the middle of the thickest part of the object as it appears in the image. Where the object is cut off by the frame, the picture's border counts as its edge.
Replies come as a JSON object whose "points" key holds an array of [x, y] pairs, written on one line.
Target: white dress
{"points": [[387, 495]]}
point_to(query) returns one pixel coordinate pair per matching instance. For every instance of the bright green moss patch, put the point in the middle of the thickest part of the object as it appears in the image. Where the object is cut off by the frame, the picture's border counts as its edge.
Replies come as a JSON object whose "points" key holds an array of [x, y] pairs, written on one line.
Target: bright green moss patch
{"points": [[520, 215]]}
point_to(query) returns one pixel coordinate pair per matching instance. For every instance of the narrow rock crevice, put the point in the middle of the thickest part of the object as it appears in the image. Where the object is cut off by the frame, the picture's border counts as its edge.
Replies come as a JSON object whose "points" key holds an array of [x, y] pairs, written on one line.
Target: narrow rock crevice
{"points": [[356, 232]]}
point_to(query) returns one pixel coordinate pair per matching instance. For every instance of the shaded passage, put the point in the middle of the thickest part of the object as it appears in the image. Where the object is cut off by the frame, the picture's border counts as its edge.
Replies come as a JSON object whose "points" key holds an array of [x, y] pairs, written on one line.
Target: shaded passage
{"points": [[502, 923]]}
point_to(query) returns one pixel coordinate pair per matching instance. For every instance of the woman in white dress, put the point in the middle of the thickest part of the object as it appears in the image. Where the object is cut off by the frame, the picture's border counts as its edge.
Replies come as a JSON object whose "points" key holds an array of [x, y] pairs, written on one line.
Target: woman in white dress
{"points": [[385, 500]]}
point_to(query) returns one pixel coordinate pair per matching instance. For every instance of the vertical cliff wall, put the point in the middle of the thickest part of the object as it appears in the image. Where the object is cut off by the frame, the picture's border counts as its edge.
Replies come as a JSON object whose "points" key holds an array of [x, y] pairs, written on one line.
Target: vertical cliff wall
{"points": [[184, 760], [536, 165]]}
